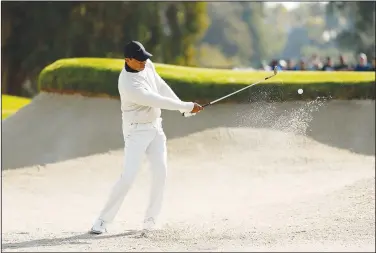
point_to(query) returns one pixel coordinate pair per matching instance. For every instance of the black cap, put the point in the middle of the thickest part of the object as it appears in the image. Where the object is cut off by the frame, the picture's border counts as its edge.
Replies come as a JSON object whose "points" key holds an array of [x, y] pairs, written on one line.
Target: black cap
{"points": [[136, 50]]}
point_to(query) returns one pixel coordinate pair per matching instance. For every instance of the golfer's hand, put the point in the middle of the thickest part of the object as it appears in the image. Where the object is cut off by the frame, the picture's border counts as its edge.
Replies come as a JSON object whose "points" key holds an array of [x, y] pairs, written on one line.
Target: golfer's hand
{"points": [[197, 108]]}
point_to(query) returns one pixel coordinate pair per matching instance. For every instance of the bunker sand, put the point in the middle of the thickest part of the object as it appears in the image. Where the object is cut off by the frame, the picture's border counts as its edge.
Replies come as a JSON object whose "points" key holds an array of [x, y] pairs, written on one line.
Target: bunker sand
{"points": [[261, 176]]}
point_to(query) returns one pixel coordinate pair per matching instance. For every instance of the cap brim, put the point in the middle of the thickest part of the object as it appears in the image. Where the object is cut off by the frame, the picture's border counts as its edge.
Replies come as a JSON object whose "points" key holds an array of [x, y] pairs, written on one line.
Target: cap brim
{"points": [[144, 56]]}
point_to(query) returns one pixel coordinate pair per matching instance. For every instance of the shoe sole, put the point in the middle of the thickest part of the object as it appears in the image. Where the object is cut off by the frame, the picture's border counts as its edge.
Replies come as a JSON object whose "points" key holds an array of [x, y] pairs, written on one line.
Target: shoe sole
{"points": [[95, 232]]}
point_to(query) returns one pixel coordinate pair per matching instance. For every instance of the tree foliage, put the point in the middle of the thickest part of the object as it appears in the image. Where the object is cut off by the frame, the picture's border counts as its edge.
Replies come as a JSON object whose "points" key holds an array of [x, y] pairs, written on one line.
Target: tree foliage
{"points": [[208, 34], [358, 33], [35, 34]]}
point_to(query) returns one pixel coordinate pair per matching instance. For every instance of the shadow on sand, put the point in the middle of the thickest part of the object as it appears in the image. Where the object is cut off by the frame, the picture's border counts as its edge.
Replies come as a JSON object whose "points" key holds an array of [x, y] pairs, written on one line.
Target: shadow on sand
{"points": [[77, 239]]}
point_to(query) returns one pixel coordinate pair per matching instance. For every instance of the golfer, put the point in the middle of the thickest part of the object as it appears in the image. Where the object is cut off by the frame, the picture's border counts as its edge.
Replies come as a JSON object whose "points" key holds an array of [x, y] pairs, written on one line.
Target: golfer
{"points": [[143, 94]]}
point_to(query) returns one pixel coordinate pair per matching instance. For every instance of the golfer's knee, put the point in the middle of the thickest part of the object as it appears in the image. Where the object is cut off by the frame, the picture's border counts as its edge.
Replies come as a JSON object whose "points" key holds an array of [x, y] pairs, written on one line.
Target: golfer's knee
{"points": [[124, 183], [158, 165], [127, 176]]}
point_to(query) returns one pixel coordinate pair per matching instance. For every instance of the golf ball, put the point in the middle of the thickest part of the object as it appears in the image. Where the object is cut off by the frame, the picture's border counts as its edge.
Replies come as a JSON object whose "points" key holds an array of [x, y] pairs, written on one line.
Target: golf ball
{"points": [[300, 91]]}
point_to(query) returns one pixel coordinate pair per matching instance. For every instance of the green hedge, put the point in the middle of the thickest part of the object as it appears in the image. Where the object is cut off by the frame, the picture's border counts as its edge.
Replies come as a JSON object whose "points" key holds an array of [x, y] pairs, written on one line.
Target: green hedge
{"points": [[99, 76]]}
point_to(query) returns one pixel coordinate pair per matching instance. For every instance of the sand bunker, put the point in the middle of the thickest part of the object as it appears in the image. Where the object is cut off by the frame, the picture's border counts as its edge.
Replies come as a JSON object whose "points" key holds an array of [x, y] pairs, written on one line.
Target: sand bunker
{"points": [[55, 128], [261, 176]]}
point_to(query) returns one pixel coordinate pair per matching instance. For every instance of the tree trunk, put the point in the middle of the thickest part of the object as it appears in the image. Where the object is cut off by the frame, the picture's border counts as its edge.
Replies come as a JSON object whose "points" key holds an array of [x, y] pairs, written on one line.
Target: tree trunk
{"points": [[4, 72], [13, 79]]}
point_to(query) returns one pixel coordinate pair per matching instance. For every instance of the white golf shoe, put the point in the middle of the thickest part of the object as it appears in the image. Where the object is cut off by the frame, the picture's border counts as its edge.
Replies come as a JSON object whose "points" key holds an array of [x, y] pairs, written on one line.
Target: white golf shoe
{"points": [[149, 224], [99, 227]]}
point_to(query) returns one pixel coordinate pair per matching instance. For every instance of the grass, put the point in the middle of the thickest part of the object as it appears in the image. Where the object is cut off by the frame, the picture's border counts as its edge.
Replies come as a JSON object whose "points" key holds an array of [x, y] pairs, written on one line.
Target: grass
{"points": [[11, 104], [99, 76], [217, 76]]}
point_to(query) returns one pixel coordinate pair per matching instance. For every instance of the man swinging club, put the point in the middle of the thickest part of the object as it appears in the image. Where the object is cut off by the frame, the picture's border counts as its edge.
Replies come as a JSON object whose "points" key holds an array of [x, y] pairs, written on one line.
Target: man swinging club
{"points": [[143, 94]]}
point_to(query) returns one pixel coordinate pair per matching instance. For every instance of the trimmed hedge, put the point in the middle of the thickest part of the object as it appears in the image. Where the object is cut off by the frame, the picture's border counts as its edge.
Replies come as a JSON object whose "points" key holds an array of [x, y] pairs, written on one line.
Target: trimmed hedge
{"points": [[97, 76]]}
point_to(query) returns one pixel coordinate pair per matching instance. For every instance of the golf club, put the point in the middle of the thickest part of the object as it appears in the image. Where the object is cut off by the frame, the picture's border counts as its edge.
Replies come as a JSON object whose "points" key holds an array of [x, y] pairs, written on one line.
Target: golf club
{"points": [[188, 114]]}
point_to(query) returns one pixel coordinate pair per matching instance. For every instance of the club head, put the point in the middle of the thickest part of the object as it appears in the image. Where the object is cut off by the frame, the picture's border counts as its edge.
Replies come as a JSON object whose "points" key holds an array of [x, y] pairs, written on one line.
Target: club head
{"points": [[275, 70]]}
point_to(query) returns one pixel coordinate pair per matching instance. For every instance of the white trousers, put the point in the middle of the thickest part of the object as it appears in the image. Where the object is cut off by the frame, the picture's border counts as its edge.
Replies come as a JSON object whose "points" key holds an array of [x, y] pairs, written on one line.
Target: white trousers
{"points": [[140, 139]]}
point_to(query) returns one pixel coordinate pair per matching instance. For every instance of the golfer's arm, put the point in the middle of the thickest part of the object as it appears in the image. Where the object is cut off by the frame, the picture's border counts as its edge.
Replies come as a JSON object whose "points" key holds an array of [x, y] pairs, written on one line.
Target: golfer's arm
{"points": [[144, 97], [166, 89], [163, 87]]}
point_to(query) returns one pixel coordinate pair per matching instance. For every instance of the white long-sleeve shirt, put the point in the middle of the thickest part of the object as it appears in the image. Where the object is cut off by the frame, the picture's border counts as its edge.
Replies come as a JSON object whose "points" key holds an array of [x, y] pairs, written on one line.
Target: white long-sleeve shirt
{"points": [[143, 94]]}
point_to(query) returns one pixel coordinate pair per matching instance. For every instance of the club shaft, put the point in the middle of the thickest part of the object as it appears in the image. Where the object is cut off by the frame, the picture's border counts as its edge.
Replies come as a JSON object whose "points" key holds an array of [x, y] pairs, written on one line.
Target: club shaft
{"points": [[219, 99]]}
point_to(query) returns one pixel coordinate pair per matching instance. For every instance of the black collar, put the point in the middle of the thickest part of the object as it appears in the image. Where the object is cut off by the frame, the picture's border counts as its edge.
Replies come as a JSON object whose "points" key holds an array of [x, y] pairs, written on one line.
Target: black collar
{"points": [[129, 69]]}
